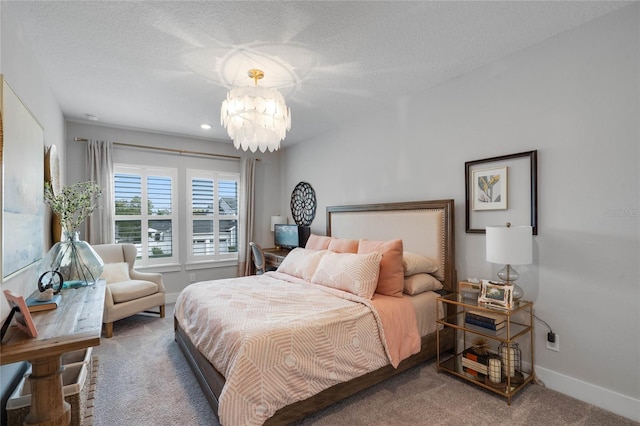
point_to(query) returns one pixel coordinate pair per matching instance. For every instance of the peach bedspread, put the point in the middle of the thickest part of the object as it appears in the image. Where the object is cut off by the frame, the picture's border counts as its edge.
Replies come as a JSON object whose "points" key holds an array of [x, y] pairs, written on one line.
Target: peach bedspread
{"points": [[278, 339]]}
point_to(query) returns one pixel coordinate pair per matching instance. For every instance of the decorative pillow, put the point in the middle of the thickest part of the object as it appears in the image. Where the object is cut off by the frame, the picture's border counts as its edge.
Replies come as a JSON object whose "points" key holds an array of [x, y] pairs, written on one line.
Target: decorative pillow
{"points": [[342, 245], [317, 242], [419, 283], [415, 263], [355, 273], [115, 272], [301, 262], [391, 278]]}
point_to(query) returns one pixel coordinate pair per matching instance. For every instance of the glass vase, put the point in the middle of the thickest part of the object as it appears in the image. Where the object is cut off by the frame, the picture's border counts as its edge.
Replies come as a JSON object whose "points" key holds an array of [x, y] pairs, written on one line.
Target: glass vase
{"points": [[76, 260]]}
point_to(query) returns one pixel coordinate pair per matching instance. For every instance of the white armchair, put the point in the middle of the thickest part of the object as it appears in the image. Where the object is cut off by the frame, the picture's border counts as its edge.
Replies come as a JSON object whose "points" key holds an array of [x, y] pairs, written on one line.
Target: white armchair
{"points": [[127, 293]]}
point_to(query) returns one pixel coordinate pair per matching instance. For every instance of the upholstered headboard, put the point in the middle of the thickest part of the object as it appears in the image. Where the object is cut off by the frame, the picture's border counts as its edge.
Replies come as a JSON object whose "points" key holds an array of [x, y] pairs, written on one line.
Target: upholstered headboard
{"points": [[425, 227]]}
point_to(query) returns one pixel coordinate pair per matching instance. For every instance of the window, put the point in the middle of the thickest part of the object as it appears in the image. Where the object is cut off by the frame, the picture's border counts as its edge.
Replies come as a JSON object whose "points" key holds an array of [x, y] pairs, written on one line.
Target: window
{"points": [[213, 215], [145, 214]]}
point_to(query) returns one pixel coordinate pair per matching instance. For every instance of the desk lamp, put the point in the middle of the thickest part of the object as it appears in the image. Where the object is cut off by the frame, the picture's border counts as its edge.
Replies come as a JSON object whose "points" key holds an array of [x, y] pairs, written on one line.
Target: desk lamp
{"points": [[510, 245], [275, 220]]}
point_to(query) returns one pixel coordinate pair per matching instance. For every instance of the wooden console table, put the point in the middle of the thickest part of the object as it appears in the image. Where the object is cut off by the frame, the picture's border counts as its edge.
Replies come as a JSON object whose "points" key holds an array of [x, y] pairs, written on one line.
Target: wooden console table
{"points": [[75, 324]]}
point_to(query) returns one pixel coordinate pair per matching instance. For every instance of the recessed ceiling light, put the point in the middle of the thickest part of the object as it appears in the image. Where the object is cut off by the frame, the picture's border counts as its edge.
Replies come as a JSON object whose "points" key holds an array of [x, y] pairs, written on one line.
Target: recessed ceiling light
{"points": [[92, 117], [206, 126]]}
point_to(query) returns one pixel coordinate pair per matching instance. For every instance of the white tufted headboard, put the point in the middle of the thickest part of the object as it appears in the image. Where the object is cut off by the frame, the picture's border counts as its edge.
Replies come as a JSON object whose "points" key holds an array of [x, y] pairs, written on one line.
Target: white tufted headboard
{"points": [[425, 227]]}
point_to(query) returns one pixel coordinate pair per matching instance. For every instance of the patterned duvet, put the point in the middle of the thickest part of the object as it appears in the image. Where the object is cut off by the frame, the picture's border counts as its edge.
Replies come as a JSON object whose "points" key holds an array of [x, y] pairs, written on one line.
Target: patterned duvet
{"points": [[278, 340]]}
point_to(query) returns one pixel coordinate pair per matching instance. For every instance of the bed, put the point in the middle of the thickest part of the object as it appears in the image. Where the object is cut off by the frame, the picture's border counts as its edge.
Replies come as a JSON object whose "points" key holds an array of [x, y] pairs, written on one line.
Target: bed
{"points": [[425, 227]]}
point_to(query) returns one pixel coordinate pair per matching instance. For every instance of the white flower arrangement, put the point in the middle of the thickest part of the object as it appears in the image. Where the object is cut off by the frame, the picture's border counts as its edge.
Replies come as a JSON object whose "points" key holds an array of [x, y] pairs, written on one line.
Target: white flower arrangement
{"points": [[74, 204]]}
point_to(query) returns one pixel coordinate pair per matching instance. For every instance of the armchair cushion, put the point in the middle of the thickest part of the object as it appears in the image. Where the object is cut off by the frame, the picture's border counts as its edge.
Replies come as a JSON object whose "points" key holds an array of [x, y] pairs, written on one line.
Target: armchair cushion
{"points": [[115, 272], [125, 291]]}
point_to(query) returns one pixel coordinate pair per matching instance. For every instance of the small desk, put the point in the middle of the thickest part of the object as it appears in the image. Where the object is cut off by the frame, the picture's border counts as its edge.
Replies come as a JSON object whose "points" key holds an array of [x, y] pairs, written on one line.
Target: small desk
{"points": [[273, 257], [75, 324]]}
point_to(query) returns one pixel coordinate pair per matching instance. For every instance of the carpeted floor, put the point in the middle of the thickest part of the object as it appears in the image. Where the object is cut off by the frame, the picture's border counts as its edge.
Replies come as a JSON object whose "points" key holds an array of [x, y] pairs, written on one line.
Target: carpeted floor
{"points": [[143, 379]]}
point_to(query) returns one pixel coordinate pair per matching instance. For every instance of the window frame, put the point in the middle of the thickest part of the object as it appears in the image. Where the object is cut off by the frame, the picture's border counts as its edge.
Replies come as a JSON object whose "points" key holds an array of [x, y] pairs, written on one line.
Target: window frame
{"points": [[145, 172], [216, 177]]}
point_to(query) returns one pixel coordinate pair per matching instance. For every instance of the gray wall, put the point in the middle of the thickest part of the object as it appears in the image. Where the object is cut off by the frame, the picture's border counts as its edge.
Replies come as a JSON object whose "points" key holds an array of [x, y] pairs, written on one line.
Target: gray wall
{"points": [[23, 73], [176, 277], [574, 98]]}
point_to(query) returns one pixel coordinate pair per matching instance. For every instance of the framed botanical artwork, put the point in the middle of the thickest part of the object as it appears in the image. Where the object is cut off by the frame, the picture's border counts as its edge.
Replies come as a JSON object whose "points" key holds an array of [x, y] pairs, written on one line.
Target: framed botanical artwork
{"points": [[500, 190], [489, 187], [496, 294]]}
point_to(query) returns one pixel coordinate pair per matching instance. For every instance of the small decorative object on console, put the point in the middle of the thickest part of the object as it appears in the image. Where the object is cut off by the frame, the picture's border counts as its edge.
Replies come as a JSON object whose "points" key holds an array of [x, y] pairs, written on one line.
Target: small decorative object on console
{"points": [[43, 301], [50, 280]]}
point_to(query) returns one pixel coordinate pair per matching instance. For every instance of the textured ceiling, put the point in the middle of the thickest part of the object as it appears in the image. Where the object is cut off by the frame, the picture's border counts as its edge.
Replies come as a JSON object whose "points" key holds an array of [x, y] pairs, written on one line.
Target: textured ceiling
{"points": [[166, 66]]}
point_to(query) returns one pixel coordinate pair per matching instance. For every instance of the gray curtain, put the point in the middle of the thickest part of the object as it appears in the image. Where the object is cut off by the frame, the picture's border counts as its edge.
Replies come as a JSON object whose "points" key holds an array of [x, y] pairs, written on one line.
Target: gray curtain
{"points": [[246, 214], [100, 170]]}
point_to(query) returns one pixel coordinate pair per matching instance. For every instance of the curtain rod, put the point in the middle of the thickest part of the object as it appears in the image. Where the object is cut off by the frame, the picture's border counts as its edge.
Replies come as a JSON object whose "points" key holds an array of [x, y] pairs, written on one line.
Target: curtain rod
{"points": [[173, 150]]}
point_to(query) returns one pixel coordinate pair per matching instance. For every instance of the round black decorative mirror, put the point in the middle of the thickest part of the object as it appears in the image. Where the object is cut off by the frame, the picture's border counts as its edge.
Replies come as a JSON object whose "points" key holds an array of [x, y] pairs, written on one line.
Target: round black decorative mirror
{"points": [[303, 204]]}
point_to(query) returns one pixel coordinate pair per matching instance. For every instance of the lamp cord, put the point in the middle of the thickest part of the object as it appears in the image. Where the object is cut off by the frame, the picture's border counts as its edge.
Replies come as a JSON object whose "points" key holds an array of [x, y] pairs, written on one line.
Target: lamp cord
{"points": [[542, 321], [536, 378]]}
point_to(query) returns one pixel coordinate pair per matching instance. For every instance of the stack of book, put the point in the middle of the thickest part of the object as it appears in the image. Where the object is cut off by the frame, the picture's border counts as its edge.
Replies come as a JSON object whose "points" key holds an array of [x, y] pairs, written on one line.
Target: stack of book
{"points": [[485, 319], [475, 364], [36, 305]]}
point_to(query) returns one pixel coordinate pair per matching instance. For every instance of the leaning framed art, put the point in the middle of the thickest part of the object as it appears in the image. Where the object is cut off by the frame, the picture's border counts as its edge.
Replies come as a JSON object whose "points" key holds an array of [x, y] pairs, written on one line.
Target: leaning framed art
{"points": [[502, 189]]}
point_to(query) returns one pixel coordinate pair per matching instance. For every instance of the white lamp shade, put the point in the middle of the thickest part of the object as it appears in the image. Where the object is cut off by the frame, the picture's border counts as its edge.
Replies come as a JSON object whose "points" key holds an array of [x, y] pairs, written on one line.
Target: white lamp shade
{"points": [[510, 245], [277, 219]]}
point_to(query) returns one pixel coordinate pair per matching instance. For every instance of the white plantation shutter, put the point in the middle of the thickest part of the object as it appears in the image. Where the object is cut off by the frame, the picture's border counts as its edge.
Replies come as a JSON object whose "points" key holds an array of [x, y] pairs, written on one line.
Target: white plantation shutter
{"points": [[145, 214], [213, 216]]}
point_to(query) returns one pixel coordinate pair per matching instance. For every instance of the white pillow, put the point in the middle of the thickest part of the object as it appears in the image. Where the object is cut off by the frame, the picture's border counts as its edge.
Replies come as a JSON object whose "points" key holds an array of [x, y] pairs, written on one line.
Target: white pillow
{"points": [[301, 262], [115, 272], [355, 273], [419, 283], [415, 263]]}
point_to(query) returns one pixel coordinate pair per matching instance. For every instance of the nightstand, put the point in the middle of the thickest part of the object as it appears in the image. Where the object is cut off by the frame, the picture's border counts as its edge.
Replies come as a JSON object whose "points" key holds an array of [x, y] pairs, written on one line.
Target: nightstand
{"points": [[510, 346]]}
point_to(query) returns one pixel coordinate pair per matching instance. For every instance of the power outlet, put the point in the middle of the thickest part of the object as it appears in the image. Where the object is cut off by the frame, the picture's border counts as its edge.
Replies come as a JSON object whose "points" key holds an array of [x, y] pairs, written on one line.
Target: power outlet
{"points": [[192, 277], [554, 346]]}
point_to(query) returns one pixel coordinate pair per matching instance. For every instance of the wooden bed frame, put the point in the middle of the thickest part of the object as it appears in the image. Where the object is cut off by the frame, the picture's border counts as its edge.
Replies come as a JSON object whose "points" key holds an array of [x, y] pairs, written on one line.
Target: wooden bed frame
{"points": [[415, 223]]}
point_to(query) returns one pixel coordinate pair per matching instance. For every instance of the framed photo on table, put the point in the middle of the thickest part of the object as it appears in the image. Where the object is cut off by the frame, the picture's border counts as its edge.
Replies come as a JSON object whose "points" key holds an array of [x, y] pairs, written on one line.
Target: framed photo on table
{"points": [[21, 313], [500, 190], [497, 294]]}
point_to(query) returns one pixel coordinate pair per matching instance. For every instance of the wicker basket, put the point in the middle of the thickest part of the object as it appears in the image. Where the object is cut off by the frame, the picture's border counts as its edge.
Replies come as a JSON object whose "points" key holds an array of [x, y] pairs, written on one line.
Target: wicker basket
{"points": [[81, 355], [75, 386]]}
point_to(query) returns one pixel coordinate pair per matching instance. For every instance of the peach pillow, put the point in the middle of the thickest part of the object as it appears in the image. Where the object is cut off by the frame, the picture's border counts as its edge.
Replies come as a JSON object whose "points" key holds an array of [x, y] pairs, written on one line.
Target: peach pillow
{"points": [[301, 263], [391, 279], [342, 245], [419, 283], [355, 273], [317, 242], [415, 263]]}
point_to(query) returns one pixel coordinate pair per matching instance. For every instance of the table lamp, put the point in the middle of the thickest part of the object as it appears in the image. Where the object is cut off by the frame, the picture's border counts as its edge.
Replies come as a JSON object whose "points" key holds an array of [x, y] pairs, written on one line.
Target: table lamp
{"points": [[276, 220], [510, 245]]}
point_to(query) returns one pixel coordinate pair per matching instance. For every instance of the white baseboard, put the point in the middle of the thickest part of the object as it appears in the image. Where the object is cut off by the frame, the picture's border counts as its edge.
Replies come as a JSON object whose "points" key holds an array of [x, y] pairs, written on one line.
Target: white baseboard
{"points": [[606, 399]]}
